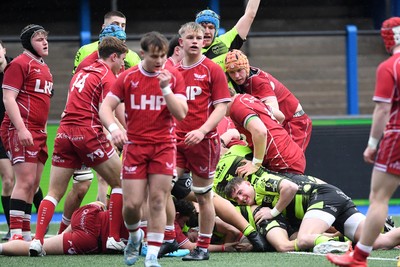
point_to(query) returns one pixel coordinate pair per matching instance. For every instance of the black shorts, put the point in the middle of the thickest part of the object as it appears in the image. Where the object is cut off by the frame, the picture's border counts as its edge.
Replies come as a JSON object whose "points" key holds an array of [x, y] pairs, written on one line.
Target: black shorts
{"points": [[267, 225], [182, 187], [334, 201]]}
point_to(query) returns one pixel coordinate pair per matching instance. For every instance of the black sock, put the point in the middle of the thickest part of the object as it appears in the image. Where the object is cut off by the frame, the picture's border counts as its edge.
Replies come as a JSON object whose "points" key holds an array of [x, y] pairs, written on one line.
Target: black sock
{"points": [[5, 201], [37, 198]]}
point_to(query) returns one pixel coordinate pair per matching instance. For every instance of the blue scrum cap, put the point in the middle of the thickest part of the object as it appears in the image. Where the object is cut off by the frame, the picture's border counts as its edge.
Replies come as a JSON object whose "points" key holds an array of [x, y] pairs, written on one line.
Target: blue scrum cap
{"points": [[112, 31], [208, 16]]}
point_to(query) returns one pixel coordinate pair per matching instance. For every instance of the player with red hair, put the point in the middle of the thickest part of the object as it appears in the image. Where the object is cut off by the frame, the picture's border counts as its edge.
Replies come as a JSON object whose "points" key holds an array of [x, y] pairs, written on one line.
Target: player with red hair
{"points": [[262, 85]]}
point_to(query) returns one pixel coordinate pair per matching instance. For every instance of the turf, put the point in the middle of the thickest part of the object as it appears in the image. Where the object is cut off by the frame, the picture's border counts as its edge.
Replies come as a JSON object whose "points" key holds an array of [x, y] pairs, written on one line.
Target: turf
{"points": [[379, 258]]}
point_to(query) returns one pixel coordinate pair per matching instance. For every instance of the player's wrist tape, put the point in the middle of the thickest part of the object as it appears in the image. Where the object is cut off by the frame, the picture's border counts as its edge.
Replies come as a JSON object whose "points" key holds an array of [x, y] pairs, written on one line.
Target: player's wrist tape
{"points": [[275, 212], [373, 142], [166, 90], [257, 162], [113, 126]]}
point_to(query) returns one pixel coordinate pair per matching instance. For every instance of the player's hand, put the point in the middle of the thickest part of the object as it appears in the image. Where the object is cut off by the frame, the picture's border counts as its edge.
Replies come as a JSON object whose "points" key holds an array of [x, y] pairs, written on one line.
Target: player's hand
{"points": [[247, 169], [194, 137], [119, 137], [25, 137], [243, 247], [369, 155], [263, 214], [164, 77], [231, 247]]}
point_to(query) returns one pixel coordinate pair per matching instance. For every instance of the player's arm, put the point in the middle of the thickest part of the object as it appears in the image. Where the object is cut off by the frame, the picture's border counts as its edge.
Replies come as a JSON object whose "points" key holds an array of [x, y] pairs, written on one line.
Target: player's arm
{"points": [[286, 190], [106, 114], [278, 115], [11, 105], [175, 104], [259, 137], [196, 136], [380, 118], [244, 23]]}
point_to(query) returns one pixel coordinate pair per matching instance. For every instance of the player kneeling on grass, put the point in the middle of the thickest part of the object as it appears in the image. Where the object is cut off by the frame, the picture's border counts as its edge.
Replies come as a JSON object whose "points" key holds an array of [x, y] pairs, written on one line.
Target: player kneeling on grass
{"points": [[78, 238]]}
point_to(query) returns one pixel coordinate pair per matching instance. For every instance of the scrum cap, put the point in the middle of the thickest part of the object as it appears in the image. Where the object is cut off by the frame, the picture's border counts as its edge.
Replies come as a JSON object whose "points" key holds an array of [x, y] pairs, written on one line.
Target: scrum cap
{"points": [[236, 60], [26, 36], [208, 16], [112, 31], [390, 33]]}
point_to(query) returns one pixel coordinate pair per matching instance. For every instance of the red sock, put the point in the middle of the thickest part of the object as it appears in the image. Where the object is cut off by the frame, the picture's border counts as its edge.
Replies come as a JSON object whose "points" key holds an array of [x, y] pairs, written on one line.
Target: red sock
{"points": [[360, 255], [45, 213], [115, 215], [26, 224], [203, 241], [169, 235], [63, 226], [16, 220]]}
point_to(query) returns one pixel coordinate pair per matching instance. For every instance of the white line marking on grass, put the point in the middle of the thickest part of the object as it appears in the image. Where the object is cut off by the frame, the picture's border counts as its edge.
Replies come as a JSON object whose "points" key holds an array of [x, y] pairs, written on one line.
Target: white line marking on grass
{"points": [[33, 234], [319, 254]]}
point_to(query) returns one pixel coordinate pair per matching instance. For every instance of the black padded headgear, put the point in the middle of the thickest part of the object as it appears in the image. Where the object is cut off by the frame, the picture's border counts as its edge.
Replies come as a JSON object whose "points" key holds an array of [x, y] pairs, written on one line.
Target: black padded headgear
{"points": [[26, 37]]}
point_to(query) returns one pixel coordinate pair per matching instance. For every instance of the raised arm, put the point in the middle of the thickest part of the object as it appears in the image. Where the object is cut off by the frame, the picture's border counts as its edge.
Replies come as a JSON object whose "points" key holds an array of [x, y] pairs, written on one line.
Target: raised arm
{"points": [[244, 23]]}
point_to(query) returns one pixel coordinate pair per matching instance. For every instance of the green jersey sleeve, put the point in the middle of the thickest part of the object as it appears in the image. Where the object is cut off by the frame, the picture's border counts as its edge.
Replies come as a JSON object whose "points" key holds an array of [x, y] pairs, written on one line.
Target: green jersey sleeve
{"points": [[83, 52], [131, 59]]}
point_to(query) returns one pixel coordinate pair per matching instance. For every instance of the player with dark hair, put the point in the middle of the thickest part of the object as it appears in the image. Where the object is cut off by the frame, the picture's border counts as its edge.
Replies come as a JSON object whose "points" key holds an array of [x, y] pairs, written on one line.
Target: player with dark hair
{"points": [[258, 83], [385, 129], [175, 52], [27, 83], [215, 47], [80, 139], [154, 98], [87, 234]]}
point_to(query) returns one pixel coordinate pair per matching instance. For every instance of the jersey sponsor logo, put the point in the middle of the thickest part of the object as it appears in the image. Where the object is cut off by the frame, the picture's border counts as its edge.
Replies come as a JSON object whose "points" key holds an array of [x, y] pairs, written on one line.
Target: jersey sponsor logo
{"points": [[36, 70], [96, 154], [332, 208], [144, 102], [192, 92], [219, 49], [169, 165], [250, 99], [61, 136], [134, 84], [199, 76], [48, 86], [203, 169], [130, 169], [58, 159], [395, 165], [32, 153]]}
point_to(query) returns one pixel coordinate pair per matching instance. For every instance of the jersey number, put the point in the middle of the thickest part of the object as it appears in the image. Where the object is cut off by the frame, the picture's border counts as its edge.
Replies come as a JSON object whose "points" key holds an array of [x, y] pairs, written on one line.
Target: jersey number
{"points": [[80, 82]]}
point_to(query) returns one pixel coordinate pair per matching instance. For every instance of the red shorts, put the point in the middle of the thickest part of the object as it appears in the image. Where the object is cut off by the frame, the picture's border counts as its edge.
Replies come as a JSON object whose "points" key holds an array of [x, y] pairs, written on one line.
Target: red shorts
{"points": [[18, 153], [76, 145], [85, 237], [201, 159], [140, 160], [299, 129], [388, 156]]}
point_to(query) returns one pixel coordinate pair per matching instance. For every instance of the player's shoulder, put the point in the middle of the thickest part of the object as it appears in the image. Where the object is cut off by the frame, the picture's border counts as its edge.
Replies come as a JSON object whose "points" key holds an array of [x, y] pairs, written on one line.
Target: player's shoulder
{"points": [[90, 46]]}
